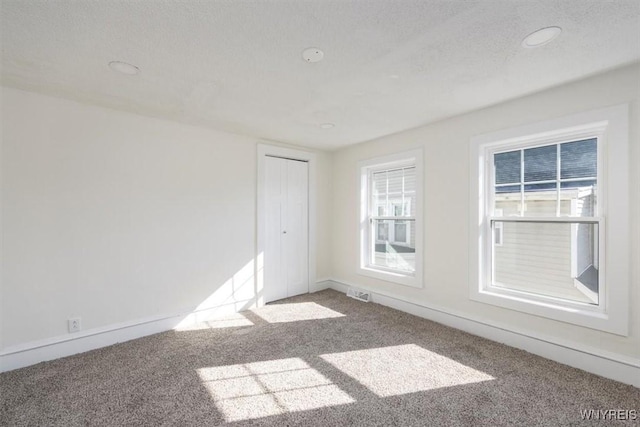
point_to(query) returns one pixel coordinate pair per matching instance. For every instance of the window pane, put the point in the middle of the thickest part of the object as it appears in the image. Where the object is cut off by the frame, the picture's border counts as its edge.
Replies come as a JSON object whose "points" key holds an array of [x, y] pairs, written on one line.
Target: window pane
{"points": [[507, 167], [497, 234], [409, 206], [394, 245], [393, 192], [552, 259], [507, 200], [382, 231], [400, 235], [540, 163], [380, 183], [540, 199], [578, 198], [395, 181], [508, 189], [409, 180], [579, 159]]}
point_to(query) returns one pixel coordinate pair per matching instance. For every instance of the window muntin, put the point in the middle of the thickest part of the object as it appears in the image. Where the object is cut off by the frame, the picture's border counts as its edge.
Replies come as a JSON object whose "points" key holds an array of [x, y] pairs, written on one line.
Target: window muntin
{"points": [[543, 218]]}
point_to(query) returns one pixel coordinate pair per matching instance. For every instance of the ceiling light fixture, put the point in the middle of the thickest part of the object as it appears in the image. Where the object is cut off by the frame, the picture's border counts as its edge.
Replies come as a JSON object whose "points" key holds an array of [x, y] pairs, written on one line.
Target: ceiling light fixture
{"points": [[313, 54], [541, 37], [327, 126], [124, 68]]}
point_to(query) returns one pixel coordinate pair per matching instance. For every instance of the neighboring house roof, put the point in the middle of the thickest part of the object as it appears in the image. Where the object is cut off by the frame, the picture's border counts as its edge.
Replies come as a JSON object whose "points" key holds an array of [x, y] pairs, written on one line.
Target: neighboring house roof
{"points": [[578, 160], [589, 278], [388, 247]]}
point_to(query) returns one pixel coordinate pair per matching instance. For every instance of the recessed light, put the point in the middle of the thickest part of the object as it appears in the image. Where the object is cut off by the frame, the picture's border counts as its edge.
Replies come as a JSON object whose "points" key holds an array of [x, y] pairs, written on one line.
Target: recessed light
{"points": [[313, 54], [327, 126], [124, 68], [541, 37]]}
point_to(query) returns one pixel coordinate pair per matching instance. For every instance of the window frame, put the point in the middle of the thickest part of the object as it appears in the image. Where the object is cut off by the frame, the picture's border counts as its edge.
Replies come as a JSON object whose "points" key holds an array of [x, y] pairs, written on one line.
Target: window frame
{"points": [[413, 158], [610, 126]]}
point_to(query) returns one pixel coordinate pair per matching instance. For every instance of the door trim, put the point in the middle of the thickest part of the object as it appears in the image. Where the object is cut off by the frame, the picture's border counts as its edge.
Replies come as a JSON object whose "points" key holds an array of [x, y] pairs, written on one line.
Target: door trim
{"points": [[264, 150]]}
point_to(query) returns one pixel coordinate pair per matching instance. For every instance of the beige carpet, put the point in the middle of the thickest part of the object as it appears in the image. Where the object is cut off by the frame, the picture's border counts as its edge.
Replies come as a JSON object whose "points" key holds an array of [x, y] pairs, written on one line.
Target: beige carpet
{"points": [[320, 359]]}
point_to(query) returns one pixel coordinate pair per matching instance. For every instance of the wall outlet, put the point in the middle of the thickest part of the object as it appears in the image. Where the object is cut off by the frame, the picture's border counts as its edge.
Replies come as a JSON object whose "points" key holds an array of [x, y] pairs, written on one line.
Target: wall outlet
{"points": [[74, 324]]}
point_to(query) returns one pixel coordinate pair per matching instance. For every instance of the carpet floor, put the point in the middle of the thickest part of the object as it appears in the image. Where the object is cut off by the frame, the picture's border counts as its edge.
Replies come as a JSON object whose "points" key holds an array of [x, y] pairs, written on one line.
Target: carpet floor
{"points": [[320, 359]]}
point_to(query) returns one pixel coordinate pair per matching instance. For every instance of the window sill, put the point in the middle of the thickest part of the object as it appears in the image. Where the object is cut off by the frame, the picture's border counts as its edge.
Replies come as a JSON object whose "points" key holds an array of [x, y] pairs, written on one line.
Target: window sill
{"points": [[577, 314], [390, 276]]}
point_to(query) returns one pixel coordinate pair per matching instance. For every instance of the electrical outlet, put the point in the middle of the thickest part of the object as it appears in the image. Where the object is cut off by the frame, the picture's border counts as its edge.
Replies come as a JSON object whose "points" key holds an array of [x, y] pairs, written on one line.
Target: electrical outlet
{"points": [[74, 324]]}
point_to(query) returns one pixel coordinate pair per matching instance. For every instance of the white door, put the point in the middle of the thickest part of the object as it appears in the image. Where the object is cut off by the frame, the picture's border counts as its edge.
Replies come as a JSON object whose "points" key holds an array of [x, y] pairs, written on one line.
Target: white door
{"points": [[286, 257]]}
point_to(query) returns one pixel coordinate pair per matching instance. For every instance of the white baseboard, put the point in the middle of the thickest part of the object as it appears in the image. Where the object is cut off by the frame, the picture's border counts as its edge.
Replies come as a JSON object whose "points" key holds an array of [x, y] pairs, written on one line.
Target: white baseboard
{"points": [[30, 353], [614, 366], [23, 355], [320, 285], [617, 367]]}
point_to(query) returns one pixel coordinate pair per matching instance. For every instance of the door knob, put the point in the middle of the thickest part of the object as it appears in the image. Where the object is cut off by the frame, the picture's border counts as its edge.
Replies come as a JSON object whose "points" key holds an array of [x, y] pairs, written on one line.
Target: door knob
{"points": [[284, 232]]}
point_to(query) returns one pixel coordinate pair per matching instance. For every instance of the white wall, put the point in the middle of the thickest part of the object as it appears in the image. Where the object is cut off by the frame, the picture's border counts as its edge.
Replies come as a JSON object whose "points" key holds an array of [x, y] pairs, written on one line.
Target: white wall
{"points": [[446, 202], [116, 217], [324, 216]]}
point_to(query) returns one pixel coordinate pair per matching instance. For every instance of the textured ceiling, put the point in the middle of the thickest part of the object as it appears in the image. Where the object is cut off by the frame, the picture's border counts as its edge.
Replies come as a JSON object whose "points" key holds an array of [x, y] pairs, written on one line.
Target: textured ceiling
{"points": [[237, 65]]}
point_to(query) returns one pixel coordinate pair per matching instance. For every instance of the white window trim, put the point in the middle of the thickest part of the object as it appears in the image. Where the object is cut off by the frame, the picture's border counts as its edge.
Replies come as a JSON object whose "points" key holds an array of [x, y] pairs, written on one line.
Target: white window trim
{"points": [[414, 157], [613, 313]]}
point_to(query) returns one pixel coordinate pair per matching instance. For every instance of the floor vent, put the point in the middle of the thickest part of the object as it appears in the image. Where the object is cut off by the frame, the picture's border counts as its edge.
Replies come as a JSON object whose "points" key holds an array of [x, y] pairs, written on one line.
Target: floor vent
{"points": [[359, 295]]}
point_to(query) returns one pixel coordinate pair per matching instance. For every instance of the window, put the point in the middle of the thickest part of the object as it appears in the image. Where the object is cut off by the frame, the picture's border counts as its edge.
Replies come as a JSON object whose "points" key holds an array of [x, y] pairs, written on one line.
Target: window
{"points": [[547, 242], [541, 193], [390, 220]]}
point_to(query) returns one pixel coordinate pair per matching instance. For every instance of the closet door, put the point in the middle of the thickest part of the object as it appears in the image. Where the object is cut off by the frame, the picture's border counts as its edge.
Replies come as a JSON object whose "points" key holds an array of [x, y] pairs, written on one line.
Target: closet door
{"points": [[286, 257]]}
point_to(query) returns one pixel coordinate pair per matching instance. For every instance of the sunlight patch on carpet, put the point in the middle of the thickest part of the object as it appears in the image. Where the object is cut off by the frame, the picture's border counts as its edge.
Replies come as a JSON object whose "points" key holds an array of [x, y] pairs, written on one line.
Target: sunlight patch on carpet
{"points": [[402, 369], [262, 389], [295, 312]]}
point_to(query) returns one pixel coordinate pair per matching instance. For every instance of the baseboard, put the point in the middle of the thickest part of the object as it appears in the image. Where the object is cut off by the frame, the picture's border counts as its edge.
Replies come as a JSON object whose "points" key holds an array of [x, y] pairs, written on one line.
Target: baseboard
{"points": [[28, 354], [23, 355], [320, 285], [617, 367]]}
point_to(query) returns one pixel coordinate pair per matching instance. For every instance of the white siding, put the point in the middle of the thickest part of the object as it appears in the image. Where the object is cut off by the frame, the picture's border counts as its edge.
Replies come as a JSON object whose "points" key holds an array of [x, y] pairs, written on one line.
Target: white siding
{"points": [[536, 257]]}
